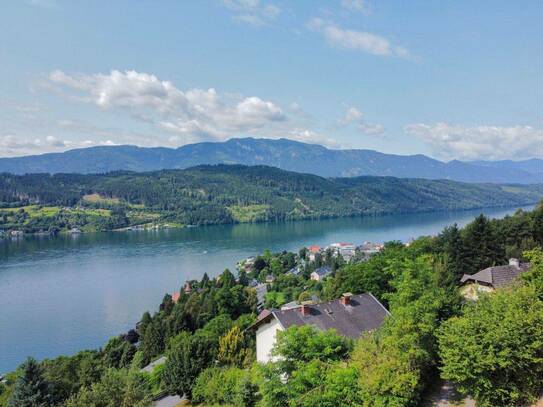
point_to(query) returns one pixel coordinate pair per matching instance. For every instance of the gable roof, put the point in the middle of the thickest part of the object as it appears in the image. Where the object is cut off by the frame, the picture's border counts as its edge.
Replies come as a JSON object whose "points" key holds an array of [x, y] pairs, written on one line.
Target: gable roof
{"points": [[323, 271], [496, 276], [363, 313]]}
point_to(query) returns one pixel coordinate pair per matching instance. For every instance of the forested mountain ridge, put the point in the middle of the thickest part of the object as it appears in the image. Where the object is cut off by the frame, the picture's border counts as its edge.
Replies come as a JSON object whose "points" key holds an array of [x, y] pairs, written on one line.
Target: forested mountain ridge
{"points": [[282, 153], [236, 193]]}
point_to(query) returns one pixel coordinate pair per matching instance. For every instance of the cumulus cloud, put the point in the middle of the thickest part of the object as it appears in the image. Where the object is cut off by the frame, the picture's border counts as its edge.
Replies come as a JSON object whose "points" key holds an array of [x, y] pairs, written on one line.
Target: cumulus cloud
{"points": [[356, 40], [311, 137], [195, 114], [253, 12], [480, 142], [355, 117], [12, 145]]}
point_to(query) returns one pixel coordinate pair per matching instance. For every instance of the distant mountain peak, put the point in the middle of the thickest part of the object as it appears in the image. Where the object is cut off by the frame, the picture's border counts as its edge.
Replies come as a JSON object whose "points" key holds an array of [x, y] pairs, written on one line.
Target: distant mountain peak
{"points": [[283, 153]]}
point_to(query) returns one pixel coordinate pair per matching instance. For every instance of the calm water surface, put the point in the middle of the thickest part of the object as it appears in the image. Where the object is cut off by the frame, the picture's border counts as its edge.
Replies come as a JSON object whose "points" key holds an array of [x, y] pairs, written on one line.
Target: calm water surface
{"points": [[61, 295]]}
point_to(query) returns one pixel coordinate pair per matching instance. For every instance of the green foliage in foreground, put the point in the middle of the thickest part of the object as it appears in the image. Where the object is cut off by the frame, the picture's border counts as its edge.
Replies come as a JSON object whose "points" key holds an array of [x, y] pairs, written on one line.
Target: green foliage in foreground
{"points": [[494, 351]]}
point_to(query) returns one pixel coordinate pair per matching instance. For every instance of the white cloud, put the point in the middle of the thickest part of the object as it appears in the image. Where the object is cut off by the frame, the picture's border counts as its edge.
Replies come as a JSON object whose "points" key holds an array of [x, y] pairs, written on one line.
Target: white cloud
{"points": [[353, 116], [250, 19], [356, 5], [356, 40], [195, 113], [12, 145], [253, 12], [311, 137], [480, 142]]}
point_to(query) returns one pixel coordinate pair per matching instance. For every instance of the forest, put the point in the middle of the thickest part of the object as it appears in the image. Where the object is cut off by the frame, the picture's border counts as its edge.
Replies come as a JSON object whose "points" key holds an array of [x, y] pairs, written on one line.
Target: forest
{"points": [[491, 349], [43, 203]]}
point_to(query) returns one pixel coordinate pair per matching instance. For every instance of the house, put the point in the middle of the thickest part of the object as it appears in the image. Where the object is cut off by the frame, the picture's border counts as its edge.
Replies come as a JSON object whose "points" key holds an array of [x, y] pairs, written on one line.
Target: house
{"points": [[350, 316], [345, 250], [321, 273], [175, 296], [491, 278], [270, 278], [369, 248], [313, 251], [247, 265], [294, 271]]}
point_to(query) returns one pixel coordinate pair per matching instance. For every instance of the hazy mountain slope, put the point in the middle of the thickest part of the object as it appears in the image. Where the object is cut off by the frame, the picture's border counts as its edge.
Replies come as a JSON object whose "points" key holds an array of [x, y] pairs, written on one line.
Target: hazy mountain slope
{"points": [[285, 154]]}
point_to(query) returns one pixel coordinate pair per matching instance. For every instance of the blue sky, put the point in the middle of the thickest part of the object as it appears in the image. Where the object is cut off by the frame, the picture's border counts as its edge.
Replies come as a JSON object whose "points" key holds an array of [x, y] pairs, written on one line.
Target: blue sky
{"points": [[448, 79]]}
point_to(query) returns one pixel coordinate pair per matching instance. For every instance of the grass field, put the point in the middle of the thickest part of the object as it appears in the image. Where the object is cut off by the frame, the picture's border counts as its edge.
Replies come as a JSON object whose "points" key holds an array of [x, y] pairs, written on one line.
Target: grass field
{"points": [[97, 198], [250, 213]]}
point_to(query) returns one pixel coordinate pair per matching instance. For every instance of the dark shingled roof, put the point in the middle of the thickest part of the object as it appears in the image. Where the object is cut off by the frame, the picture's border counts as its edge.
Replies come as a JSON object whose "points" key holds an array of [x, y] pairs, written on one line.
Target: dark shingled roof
{"points": [[323, 271], [363, 313], [496, 276]]}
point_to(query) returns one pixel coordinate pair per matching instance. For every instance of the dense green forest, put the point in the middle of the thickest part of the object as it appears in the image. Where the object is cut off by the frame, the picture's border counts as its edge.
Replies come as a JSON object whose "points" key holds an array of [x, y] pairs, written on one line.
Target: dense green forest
{"points": [[491, 350], [228, 194]]}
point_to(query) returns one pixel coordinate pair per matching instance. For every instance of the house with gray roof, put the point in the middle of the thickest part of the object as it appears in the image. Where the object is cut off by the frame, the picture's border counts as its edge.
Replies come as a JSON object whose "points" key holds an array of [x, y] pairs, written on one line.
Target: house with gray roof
{"points": [[350, 316], [321, 273], [491, 278]]}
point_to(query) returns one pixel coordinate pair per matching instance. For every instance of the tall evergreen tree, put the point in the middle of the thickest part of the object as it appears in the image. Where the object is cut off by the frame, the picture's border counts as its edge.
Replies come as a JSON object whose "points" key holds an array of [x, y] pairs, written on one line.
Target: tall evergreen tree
{"points": [[450, 242], [152, 343], [31, 388], [482, 248]]}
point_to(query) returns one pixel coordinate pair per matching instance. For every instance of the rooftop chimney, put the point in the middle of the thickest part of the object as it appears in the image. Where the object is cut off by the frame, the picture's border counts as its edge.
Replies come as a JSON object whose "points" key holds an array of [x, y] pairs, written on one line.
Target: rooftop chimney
{"points": [[346, 298], [514, 262], [305, 310]]}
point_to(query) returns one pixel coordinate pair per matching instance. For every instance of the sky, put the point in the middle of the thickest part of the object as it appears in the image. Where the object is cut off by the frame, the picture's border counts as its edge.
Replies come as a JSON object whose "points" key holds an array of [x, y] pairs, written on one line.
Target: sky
{"points": [[452, 80]]}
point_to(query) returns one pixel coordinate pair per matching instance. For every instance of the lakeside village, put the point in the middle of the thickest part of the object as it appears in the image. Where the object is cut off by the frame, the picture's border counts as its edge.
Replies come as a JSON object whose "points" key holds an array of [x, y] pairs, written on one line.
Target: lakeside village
{"points": [[346, 324], [314, 262], [351, 316]]}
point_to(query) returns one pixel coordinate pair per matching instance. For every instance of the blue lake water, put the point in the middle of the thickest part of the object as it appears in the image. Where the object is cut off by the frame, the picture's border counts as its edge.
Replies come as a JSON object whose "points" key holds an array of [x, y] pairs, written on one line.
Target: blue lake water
{"points": [[61, 295]]}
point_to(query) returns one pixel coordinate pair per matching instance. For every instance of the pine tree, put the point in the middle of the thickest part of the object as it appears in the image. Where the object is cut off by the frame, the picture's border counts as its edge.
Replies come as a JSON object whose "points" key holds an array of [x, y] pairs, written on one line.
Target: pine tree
{"points": [[451, 245], [481, 245], [152, 343], [31, 388]]}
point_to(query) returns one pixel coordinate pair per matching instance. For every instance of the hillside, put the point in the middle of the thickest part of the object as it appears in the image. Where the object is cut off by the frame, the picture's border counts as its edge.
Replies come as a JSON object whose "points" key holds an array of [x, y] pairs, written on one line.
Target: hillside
{"points": [[229, 194], [285, 154]]}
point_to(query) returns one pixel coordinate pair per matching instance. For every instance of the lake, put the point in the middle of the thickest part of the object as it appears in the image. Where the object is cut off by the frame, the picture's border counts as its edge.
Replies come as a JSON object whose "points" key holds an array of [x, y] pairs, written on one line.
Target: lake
{"points": [[61, 295]]}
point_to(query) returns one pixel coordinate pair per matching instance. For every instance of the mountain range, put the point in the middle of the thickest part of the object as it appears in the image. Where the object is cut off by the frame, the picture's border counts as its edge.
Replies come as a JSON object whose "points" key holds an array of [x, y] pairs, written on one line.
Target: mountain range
{"points": [[281, 153]]}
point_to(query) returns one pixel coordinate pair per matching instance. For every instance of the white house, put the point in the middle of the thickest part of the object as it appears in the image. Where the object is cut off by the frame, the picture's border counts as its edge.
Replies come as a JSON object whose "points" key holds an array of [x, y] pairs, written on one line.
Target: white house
{"points": [[350, 316]]}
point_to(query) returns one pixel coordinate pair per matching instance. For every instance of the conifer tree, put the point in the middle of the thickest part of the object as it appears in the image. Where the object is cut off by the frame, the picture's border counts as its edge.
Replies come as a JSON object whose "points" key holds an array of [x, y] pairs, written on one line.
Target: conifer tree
{"points": [[31, 388]]}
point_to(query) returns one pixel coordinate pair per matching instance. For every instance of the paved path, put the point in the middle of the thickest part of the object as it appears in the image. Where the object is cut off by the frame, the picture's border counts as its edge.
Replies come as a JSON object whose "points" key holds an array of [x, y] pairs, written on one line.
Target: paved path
{"points": [[444, 395]]}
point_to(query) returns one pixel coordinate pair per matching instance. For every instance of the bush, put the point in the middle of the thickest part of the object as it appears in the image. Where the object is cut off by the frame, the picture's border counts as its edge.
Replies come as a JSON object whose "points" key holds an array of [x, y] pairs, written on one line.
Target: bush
{"points": [[232, 386], [494, 352]]}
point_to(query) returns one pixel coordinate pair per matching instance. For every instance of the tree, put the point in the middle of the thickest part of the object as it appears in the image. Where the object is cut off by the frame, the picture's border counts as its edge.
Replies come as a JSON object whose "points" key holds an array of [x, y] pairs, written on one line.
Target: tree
{"points": [[394, 362], [152, 343], [534, 276], [31, 388], [118, 352], [167, 304], [116, 388], [494, 352], [187, 357], [481, 246], [232, 348], [300, 344], [450, 243], [231, 386], [227, 279]]}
